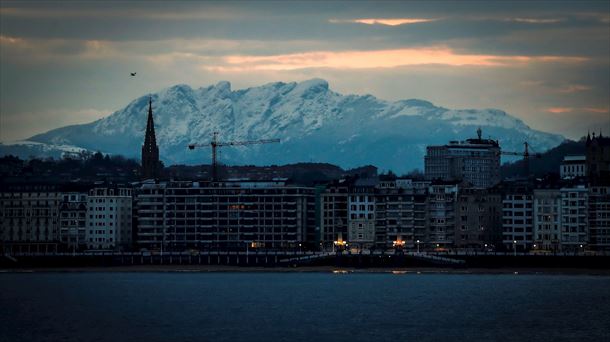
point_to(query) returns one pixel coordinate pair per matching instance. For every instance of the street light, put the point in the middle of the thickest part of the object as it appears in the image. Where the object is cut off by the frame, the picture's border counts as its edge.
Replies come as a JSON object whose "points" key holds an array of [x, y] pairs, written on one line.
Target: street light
{"points": [[417, 246], [515, 247], [398, 243], [339, 244]]}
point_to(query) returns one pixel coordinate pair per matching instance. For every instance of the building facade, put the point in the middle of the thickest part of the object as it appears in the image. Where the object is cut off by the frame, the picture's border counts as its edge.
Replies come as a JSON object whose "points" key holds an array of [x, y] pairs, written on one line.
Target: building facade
{"points": [[476, 161], [574, 216], [29, 217], [547, 219], [517, 218], [224, 216], [478, 219], [334, 214], [361, 216], [441, 202], [599, 217], [598, 157], [109, 218], [394, 208], [573, 167], [73, 221]]}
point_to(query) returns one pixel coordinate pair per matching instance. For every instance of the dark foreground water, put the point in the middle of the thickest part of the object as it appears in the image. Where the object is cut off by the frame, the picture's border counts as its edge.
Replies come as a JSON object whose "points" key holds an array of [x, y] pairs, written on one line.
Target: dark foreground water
{"points": [[302, 307]]}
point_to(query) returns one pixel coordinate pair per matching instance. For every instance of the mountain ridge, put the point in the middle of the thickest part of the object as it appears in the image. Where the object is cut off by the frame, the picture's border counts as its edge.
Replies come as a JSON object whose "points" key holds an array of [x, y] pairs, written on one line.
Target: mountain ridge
{"points": [[314, 123]]}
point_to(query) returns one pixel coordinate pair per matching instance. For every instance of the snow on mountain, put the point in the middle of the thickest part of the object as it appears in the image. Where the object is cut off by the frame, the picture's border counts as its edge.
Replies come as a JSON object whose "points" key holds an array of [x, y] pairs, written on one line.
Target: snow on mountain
{"points": [[26, 149], [313, 122]]}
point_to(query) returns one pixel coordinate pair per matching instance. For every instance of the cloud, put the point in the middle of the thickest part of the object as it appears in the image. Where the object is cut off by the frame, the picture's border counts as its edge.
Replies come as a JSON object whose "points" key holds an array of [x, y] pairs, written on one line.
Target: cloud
{"points": [[536, 20], [384, 21], [573, 88], [56, 50], [138, 12], [378, 59], [596, 110], [559, 110]]}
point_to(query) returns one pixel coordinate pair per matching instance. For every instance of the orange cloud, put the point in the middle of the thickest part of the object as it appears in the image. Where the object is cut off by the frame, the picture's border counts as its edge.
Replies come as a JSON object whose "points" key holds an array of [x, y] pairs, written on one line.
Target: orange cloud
{"points": [[597, 110], [559, 110], [377, 59], [383, 21]]}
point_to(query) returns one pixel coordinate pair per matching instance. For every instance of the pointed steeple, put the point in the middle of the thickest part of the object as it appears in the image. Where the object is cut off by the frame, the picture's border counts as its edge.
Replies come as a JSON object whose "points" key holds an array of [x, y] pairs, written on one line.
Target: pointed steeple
{"points": [[150, 150]]}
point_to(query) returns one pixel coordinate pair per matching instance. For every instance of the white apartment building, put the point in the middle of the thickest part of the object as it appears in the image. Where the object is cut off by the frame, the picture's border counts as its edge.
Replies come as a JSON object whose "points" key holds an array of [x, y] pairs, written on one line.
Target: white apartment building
{"points": [[361, 218], [109, 218], [547, 219], [574, 232], [517, 221]]}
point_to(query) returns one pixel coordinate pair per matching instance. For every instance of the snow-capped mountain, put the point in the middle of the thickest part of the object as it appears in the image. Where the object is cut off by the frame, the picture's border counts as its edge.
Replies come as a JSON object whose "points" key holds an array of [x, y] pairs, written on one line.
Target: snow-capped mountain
{"points": [[313, 122]]}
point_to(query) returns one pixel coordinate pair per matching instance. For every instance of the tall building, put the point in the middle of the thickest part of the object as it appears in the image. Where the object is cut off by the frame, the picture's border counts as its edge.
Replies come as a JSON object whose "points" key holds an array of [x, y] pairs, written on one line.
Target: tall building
{"points": [[394, 214], [29, 217], [574, 229], [72, 220], [109, 220], [150, 150], [547, 219], [232, 215], [599, 217], [361, 214], [442, 197], [420, 210], [476, 161], [334, 213], [517, 217], [478, 218]]}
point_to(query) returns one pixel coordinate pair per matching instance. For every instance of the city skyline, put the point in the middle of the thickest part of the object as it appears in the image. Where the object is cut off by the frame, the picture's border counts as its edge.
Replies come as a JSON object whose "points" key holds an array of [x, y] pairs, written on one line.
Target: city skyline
{"points": [[543, 62]]}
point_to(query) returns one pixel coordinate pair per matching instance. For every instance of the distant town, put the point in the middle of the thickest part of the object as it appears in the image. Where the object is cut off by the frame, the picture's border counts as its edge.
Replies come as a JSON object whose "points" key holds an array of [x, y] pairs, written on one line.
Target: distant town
{"points": [[459, 204]]}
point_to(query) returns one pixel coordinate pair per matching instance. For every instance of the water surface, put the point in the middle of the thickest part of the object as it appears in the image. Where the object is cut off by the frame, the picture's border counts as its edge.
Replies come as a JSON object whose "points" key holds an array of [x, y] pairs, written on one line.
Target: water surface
{"points": [[302, 307]]}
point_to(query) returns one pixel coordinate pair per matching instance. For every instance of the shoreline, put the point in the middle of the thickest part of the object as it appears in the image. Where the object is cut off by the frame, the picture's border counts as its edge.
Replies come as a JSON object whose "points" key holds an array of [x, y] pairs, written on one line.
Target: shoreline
{"points": [[312, 269]]}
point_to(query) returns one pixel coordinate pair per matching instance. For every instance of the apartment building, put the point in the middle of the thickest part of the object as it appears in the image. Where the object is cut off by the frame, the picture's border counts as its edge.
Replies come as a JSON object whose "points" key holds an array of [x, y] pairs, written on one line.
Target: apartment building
{"points": [[599, 217], [517, 218], [29, 216], [109, 218], [394, 224], [231, 215], [478, 218], [334, 213], [476, 161], [574, 216], [361, 214], [547, 219], [441, 201], [73, 221]]}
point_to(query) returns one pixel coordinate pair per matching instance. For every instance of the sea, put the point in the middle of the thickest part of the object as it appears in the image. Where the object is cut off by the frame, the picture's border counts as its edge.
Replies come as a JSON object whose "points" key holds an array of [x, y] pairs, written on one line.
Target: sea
{"points": [[302, 306]]}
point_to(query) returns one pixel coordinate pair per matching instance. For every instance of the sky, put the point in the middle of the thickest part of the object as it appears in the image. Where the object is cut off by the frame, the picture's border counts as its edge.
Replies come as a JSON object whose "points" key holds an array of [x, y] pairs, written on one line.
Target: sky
{"points": [[545, 62]]}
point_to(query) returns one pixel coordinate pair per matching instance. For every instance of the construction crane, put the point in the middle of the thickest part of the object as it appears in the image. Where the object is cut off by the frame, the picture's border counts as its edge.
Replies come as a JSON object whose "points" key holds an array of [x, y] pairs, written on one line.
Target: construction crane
{"points": [[214, 144], [526, 155]]}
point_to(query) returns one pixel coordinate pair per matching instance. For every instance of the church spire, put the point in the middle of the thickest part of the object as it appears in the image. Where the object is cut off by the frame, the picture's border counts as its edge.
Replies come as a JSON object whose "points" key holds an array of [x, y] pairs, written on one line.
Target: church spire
{"points": [[150, 150]]}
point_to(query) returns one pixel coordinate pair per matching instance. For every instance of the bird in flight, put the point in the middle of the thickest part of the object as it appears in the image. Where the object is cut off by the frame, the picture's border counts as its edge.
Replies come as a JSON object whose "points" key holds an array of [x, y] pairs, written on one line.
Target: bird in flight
{"points": [[133, 73]]}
